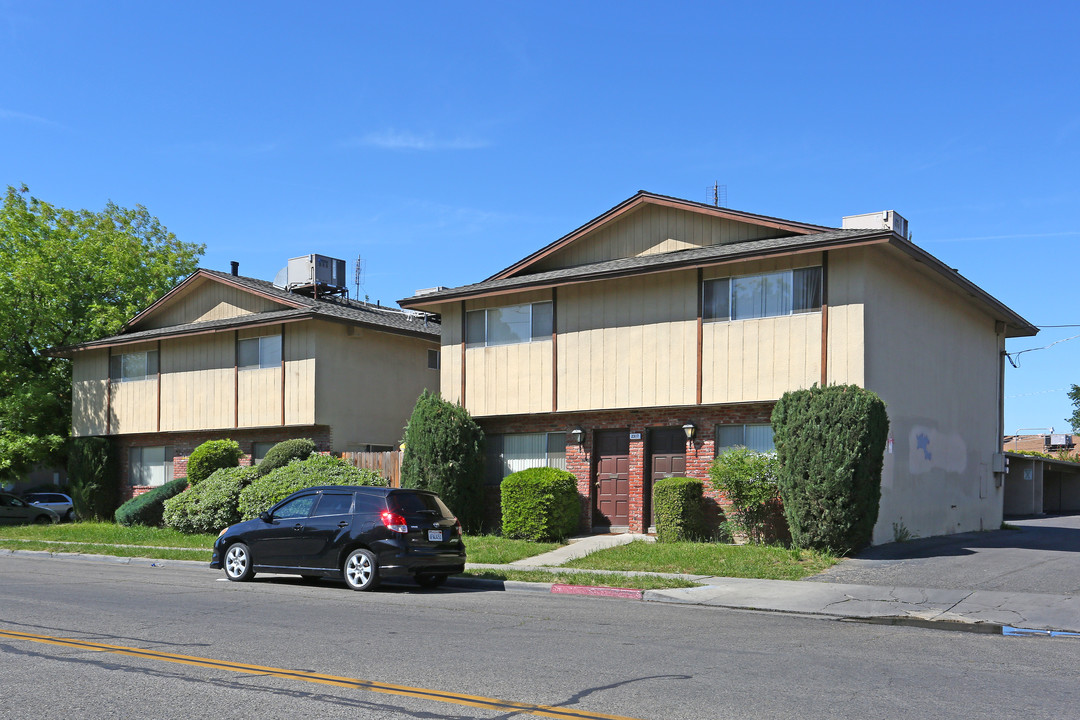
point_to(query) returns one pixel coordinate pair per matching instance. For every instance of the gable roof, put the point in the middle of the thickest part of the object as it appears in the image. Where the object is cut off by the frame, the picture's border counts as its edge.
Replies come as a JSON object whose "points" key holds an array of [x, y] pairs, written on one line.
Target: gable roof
{"points": [[719, 255], [294, 308], [641, 199]]}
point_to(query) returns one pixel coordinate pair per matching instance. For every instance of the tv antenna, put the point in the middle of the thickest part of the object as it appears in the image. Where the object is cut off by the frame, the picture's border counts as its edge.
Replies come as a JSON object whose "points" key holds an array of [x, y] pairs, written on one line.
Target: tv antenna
{"points": [[717, 194], [359, 275]]}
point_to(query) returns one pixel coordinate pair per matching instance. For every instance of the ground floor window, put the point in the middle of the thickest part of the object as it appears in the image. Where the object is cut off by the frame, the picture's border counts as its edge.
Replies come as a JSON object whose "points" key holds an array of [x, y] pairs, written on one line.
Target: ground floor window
{"points": [[259, 450], [510, 453], [151, 466], [758, 437]]}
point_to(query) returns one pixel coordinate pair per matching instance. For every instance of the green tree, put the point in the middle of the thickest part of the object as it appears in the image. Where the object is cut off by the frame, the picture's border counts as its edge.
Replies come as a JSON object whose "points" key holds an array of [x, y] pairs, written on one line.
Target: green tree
{"points": [[1074, 395], [444, 452], [68, 276]]}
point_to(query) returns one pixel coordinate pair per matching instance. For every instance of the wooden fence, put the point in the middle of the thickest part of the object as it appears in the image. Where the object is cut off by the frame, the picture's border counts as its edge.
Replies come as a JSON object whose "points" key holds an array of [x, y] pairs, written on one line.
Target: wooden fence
{"points": [[387, 464]]}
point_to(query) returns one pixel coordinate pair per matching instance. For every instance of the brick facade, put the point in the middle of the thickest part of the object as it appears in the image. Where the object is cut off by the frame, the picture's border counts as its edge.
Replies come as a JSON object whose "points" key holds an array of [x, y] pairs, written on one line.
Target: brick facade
{"points": [[580, 461], [183, 443]]}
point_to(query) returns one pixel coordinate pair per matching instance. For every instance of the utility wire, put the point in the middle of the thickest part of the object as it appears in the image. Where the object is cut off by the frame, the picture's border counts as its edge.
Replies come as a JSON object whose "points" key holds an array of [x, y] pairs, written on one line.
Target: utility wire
{"points": [[1013, 357]]}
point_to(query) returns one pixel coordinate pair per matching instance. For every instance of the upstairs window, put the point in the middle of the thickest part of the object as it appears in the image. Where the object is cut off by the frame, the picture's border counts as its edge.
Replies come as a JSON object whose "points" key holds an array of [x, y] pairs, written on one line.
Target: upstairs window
{"points": [[259, 352], [433, 359], [133, 366], [509, 325], [772, 294]]}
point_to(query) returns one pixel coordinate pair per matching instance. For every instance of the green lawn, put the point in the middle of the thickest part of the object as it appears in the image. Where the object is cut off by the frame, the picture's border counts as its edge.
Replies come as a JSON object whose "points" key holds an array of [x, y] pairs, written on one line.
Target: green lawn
{"points": [[742, 561], [113, 550], [495, 550], [99, 533]]}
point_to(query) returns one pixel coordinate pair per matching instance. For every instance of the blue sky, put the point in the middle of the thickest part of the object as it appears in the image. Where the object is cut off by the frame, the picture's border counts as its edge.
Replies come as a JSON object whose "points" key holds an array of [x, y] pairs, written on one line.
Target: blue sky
{"points": [[442, 142]]}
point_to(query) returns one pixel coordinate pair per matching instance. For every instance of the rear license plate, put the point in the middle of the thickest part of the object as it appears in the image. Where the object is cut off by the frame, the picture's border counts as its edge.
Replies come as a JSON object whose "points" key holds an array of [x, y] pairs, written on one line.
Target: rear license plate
{"points": [[435, 535]]}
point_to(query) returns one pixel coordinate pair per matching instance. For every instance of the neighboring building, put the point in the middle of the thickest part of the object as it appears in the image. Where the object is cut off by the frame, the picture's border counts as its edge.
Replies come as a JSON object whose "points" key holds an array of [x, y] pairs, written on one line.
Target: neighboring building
{"points": [[662, 317], [1044, 441], [224, 356]]}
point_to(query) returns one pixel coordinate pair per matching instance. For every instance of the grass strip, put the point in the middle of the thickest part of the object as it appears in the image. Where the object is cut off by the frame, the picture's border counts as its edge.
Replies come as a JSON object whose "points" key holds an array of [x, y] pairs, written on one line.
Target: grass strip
{"points": [[101, 533], [636, 582], [763, 562], [113, 550], [495, 550]]}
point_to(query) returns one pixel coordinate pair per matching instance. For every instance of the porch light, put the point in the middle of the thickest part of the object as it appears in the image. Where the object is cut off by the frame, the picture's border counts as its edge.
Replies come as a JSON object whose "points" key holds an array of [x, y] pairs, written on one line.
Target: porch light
{"points": [[578, 434], [689, 428]]}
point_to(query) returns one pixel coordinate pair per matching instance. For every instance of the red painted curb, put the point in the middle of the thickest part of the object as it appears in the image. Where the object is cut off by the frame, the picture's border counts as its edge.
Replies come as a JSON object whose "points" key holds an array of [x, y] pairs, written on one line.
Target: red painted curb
{"points": [[626, 593]]}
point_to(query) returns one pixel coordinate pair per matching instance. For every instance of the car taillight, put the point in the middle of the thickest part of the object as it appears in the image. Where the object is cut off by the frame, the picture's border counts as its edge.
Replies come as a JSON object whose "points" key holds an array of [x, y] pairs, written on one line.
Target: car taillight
{"points": [[394, 522], [457, 528]]}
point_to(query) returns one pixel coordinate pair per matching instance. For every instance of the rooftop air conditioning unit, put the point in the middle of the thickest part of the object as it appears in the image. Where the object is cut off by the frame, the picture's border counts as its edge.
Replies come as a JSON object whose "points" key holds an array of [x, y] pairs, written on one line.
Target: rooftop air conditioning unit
{"points": [[316, 270], [884, 220]]}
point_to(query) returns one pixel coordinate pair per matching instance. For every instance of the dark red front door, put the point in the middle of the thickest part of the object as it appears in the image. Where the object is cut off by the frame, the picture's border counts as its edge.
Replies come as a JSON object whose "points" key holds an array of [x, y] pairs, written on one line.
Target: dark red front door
{"points": [[667, 450], [611, 481]]}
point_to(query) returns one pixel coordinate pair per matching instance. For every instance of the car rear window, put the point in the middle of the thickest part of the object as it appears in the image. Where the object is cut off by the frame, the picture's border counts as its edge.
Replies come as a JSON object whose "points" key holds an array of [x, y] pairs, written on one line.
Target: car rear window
{"points": [[366, 503], [413, 503]]}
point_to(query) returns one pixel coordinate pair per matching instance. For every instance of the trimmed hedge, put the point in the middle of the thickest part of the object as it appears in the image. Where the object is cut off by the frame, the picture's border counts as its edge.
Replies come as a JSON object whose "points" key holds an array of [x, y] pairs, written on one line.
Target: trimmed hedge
{"points": [[297, 475], [444, 453], [677, 507], [211, 505], [210, 456], [540, 504], [147, 509], [92, 475], [831, 443], [284, 453]]}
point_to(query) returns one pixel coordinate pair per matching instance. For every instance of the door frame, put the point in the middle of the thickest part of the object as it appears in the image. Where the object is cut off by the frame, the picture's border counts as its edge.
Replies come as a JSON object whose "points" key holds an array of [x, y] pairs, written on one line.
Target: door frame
{"points": [[594, 480]]}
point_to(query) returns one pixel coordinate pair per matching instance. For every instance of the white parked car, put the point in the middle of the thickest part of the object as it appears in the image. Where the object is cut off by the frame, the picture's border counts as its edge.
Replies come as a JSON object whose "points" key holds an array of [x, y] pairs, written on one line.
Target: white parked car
{"points": [[57, 502]]}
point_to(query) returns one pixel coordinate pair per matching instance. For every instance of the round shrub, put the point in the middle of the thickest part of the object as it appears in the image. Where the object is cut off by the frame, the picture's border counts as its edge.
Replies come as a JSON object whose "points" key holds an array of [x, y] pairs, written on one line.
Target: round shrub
{"points": [[210, 456], [209, 506], [147, 509], [297, 475], [540, 504], [677, 507], [284, 453]]}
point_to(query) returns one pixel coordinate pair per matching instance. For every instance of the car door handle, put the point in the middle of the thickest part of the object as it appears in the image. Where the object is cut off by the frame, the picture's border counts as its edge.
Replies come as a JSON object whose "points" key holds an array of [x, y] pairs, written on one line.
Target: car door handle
{"points": [[298, 526], [343, 524]]}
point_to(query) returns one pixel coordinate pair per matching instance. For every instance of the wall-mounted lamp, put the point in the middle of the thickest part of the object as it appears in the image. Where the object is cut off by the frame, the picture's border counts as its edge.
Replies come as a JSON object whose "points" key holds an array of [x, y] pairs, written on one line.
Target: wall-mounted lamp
{"points": [[578, 435], [689, 428]]}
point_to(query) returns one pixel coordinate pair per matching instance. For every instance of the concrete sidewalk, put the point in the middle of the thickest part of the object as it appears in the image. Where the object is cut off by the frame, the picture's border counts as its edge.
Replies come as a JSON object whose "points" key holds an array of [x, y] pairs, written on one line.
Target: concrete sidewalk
{"points": [[989, 609]]}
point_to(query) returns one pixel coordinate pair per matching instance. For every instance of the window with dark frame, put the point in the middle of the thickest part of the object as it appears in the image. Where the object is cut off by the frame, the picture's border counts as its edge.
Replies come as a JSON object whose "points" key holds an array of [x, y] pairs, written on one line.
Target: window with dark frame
{"points": [[509, 325], [771, 294], [755, 436], [128, 367], [433, 359], [259, 352]]}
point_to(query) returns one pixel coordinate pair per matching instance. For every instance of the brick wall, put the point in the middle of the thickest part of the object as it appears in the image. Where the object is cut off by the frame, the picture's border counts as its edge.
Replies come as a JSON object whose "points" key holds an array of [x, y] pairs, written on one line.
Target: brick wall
{"points": [[184, 443], [579, 458]]}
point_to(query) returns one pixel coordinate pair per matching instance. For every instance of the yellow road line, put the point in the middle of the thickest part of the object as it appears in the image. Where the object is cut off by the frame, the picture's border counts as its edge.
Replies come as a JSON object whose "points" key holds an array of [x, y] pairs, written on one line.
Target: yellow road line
{"points": [[403, 690]]}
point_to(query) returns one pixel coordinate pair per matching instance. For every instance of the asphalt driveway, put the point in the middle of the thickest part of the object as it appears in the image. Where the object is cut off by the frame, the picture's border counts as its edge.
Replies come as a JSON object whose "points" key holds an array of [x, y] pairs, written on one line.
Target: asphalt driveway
{"points": [[1041, 556]]}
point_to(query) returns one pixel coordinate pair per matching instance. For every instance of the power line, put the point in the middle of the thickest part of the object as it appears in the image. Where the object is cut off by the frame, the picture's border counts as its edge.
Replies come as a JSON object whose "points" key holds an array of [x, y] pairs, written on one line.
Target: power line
{"points": [[1013, 357]]}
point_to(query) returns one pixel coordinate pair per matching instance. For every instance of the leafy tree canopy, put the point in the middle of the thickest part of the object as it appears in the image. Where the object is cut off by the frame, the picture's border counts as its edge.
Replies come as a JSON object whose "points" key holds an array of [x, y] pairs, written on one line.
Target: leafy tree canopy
{"points": [[1074, 395], [68, 276]]}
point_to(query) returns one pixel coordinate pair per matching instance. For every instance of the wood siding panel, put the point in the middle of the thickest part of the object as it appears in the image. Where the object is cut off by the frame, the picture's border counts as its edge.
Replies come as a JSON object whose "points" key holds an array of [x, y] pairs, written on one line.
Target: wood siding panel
{"points": [[299, 352], [89, 392], [197, 383], [652, 230], [209, 300], [628, 343], [450, 354], [259, 393]]}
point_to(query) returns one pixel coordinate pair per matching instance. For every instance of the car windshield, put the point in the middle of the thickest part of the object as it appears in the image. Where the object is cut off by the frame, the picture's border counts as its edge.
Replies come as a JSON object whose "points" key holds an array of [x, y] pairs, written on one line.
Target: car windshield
{"points": [[416, 503]]}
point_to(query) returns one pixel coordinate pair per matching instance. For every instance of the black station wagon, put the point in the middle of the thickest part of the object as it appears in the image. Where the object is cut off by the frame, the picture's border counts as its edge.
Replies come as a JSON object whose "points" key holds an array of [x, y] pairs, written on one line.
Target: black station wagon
{"points": [[361, 534]]}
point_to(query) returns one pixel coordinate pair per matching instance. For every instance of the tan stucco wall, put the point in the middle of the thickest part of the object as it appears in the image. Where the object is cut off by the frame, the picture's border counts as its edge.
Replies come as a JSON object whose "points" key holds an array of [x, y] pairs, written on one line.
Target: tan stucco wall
{"points": [[934, 359], [367, 383]]}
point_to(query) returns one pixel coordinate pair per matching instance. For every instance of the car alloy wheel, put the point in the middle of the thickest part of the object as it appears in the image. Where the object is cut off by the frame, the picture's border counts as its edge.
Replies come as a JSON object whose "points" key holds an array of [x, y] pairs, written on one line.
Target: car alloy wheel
{"points": [[238, 567], [361, 570]]}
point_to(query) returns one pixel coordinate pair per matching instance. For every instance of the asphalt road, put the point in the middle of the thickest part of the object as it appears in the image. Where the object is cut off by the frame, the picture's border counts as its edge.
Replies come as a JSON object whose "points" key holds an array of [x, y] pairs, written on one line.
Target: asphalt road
{"points": [[1040, 555], [592, 656]]}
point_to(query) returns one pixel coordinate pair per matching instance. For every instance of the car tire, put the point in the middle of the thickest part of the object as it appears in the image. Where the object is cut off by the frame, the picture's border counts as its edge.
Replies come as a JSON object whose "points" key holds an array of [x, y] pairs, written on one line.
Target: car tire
{"points": [[42, 520], [70, 515], [430, 581], [238, 564], [361, 570]]}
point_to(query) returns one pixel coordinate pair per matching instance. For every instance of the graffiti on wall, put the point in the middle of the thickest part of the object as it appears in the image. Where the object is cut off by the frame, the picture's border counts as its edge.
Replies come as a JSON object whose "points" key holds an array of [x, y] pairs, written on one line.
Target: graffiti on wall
{"points": [[930, 449]]}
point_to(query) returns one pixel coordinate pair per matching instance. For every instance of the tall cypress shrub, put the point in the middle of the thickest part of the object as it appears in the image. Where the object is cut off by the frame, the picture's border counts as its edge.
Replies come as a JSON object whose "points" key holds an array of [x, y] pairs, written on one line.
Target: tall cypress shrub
{"points": [[831, 443], [444, 453], [92, 470]]}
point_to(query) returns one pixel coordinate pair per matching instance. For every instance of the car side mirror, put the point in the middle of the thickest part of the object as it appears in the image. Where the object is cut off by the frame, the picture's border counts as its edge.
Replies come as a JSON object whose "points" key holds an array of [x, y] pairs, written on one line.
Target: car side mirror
{"points": [[265, 516]]}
